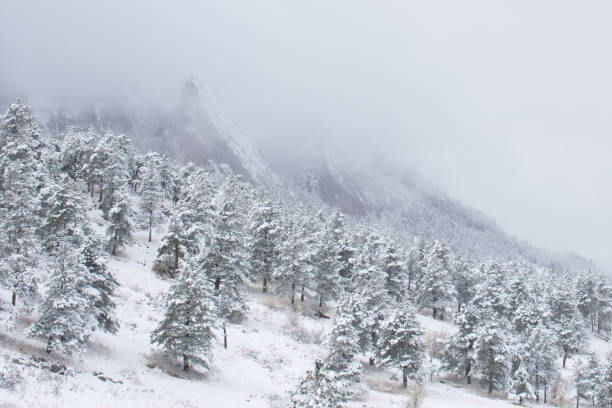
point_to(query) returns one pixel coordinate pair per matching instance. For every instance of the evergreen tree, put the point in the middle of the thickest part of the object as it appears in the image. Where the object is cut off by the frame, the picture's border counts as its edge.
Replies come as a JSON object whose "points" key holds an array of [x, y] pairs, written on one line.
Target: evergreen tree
{"points": [[319, 389], [119, 228], [395, 271], [265, 232], [186, 331], [435, 288], [22, 175], [66, 318], [588, 380], [400, 344], [604, 304], [458, 355], [540, 342], [223, 262], [114, 153], [521, 386], [103, 283], [464, 278], [492, 358], [150, 193], [586, 297], [63, 211], [326, 263], [343, 345]]}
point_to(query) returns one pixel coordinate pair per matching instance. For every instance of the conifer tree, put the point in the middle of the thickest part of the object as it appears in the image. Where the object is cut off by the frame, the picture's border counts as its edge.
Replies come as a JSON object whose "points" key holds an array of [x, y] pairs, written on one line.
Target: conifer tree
{"points": [[186, 332], [66, 318], [395, 271], [459, 356], [540, 341], [435, 287], [400, 344], [319, 389], [63, 215], [265, 233], [103, 283], [588, 380], [119, 228], [150, 193], [224, 259], [521, 386], [22, 175], [326, 262], [491, 355], [343, 345]]}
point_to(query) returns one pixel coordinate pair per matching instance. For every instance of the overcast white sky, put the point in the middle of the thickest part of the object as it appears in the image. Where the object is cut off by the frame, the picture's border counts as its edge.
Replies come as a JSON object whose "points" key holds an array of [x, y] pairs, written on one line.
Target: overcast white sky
{"points": [[504, 104]]}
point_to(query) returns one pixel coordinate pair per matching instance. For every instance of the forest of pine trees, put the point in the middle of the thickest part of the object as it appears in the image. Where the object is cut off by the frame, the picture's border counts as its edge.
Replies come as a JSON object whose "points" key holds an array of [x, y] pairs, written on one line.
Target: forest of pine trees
{"points": [[517, 322]]}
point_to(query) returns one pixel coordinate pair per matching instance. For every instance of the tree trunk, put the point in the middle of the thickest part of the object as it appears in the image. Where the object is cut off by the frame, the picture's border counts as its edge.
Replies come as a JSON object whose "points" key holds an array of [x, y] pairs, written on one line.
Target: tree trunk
{"points": [[545, 393], [320, 301], [49, 345], [371, 361], [224, 336], [293, 294], [404, 381], [14, 300], [150, 226], [468, 368], [490, 387], [564, 356], [265, 285], [217, 285], [101, 193], [176, 259], [114, 248], [434, 312], [537, 388], [93, 187], [302, 297], [185, 362]]}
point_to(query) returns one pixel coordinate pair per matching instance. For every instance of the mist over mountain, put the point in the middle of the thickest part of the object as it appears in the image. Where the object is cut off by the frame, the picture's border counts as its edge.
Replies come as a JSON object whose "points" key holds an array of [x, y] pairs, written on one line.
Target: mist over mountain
{"points": [[368, 188]]}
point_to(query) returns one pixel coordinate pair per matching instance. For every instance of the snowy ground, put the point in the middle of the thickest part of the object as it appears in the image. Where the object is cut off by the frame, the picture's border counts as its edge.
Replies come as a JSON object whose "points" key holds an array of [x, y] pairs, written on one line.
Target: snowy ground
{"points": [[266, 357]]}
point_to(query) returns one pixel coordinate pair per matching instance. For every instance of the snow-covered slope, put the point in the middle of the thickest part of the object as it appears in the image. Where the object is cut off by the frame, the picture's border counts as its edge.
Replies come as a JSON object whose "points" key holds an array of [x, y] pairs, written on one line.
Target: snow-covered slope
{"points": [[266, 357]]}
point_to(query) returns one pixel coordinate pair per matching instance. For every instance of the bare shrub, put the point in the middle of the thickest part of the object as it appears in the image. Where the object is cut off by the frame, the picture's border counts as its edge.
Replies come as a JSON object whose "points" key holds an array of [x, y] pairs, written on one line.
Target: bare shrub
{"points": [[558, 393], [416, 394]]}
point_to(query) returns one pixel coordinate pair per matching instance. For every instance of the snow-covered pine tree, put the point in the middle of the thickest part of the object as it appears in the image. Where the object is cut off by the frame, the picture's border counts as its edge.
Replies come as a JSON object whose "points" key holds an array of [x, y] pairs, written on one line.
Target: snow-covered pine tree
{"points": [[66, 319], [435, 289], [520, 384], [588, 380], [464, 277], [119, 228], [22, 175], [458, 355], [319, 389], [586, 297], [113, 153], [265, 230], [541, 343], [150, 192], [186, 332], [492, 359], [400, 344], [605, 397], [416, 263], [395, 270], [564, 320], [326, 262], [224, 260], [63, 215], [102, 281], [491, 296], [604, 303], [343, 345], [295, 255]]}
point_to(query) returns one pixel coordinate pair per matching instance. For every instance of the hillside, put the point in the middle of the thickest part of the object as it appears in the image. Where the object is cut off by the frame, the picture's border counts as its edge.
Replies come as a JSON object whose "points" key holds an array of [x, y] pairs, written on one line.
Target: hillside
{"points": [[266, 357]]}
